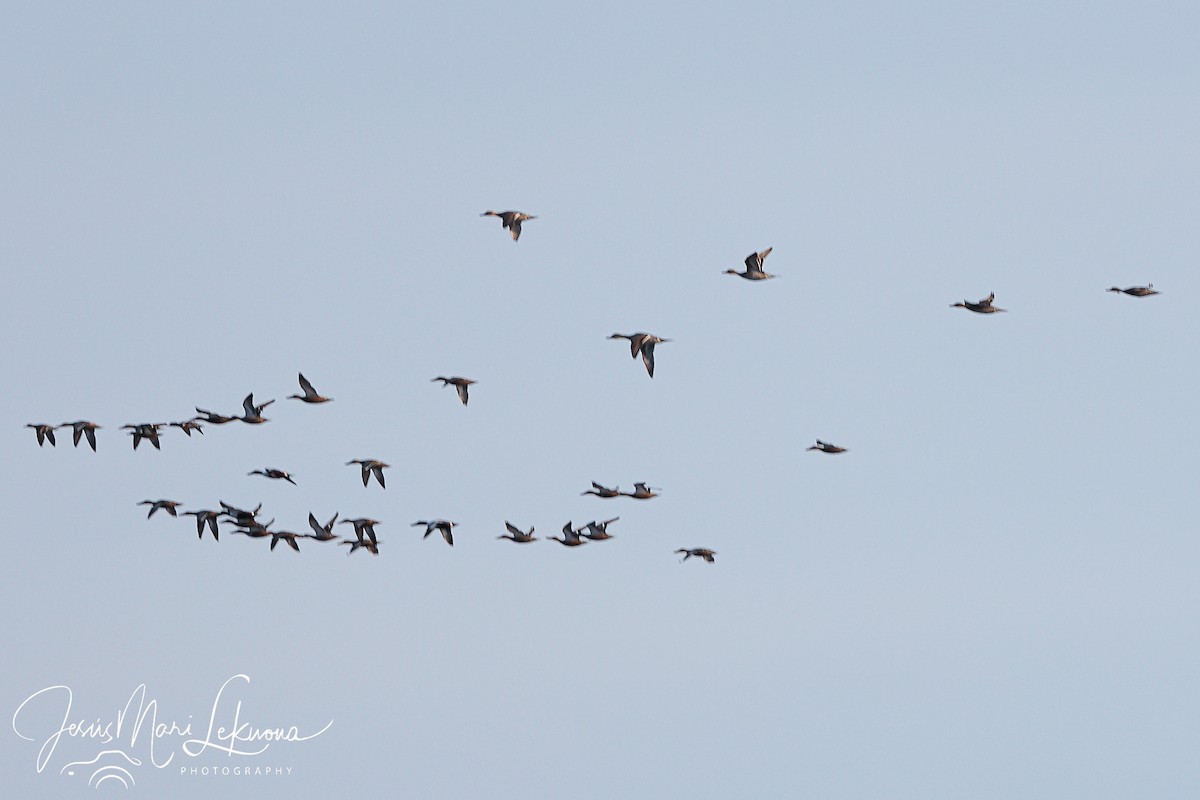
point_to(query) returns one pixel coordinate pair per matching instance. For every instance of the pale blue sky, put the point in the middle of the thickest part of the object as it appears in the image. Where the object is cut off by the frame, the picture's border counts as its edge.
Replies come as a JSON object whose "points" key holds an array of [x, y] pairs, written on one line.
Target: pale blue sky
{"points": [[991, 595]]}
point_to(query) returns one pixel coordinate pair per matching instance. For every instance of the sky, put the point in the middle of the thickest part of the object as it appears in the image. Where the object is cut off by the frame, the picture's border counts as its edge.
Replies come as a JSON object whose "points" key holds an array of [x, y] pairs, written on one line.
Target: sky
{"points": [[991, 594]]}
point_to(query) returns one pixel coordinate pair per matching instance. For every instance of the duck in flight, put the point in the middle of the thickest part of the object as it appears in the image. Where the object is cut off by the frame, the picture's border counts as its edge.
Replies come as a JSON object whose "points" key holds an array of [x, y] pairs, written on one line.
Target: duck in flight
{"points": [[44, 432], [275, 474], [205, 517], [642, 343], [238, 515], [698, 552], [148, 431], [369, 546], [1136, 291], [511, 220], [363, 528], [642, 492], [253, 528], [445, 527], [598, 531], [189, 425], [826, 447], [212, 418], [984, 306], [310, 394], [84, 428], [253, 415], [754, 270], [517, 535], [603, 491], [287, 536], [460, 384], [570, 537], [166, 505], [322, 533], [371, 467]]}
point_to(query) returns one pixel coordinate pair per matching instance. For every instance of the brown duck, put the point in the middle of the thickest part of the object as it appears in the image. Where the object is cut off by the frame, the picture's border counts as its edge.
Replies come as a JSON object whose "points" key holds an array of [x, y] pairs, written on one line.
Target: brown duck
{"points": [[310, 394], [603, 491], [45, 433], [754, 270], [517, 535], [570, 537], [445, 527], [460, 384], [1136, 291], [511, 220], [698, 552], [166, 505], [370, 467], [984, 306], [83, 428]]}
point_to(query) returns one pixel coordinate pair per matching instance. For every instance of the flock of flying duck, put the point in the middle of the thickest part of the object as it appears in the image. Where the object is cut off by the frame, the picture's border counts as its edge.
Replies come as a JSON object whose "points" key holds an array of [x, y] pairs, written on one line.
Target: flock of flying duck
{"points": [[246, 522]]}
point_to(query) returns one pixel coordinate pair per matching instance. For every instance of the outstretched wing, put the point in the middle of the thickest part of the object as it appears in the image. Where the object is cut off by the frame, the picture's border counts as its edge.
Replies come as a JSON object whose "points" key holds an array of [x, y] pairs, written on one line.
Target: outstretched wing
{"points": [[754, 261], [648, 356]]}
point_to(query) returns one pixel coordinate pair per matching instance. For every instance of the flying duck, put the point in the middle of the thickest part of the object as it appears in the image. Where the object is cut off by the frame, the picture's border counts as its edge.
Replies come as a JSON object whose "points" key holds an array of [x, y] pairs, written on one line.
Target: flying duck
{"points": [[44, 432], [598, 531], [253, 415], [570, 537], [517, 535], [1136, 291], [189, 425], [322, 533], [238, 515], [213, 418], [754, 270], [371, 467], [166, 505], [984, 306], [287, 536], [310, 394], [642, 343], [205, 517], [442, 526], [460, 384], [254, 529], [369, 546], [82, 428], [603, 491], [511, 220], [148, 430], [363, 528], [276, 474]]}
